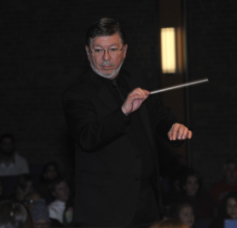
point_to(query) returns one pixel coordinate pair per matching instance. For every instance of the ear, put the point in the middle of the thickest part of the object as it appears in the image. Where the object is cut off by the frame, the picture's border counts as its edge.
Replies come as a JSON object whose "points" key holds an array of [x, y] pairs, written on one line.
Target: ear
{"points": [[125, 48], [87, 51]]}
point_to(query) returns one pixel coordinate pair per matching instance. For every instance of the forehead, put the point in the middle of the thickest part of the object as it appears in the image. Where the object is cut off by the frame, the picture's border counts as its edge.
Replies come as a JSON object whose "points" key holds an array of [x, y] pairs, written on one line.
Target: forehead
{"points": [[231, 201], [186, 209], [192, 178], [106, 40]]}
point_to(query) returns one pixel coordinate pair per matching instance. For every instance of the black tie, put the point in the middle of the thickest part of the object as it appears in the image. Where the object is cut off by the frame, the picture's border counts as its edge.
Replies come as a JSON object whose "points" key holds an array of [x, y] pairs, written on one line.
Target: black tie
{"points": [[115, 85]]}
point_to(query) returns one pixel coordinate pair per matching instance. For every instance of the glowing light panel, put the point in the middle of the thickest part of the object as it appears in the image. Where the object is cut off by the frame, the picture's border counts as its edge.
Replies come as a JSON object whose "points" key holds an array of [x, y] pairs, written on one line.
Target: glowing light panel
{"points": [[168, 50]]}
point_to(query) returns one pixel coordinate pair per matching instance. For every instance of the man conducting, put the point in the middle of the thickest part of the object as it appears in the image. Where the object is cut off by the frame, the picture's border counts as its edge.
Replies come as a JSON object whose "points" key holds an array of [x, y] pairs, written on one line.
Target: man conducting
{"points": [[113, 121]]}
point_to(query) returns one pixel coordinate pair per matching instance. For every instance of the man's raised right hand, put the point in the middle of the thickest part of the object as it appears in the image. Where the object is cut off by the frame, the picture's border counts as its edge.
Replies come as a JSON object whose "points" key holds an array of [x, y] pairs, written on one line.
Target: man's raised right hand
{"points": [[134, 100]]}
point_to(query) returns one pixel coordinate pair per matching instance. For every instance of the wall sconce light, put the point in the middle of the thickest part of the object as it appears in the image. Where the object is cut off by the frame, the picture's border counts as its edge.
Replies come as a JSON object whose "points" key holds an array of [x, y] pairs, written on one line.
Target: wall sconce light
{"points": [[168, 50]]}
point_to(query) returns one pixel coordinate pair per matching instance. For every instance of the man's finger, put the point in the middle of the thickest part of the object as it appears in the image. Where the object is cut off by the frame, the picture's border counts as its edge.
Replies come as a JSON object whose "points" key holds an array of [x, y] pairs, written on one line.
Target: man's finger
{"points": [[174, 131], [185, 133], [181, 132], [190, 134]]}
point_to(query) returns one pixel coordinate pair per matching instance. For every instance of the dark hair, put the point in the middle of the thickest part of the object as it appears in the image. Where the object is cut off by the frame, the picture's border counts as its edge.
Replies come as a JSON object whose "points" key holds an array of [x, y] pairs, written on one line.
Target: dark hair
{"points": [[12, 215], [51, 163], [104, 27], [175, 209], [189, 173], [7, 135], [230, 161], [223, 207]]}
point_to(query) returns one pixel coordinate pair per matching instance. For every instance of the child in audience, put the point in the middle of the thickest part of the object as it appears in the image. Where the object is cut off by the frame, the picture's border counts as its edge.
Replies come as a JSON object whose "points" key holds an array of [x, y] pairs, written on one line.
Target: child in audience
{"points": [[228, 210], [200, 201], [227, 184], [184, 212], [23, 189], [61, 209], [50, 172]]}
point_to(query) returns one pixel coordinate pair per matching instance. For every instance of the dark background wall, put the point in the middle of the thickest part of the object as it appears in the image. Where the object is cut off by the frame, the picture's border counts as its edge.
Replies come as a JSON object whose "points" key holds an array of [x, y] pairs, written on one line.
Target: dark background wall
{"points": [[212, 48], [42, 53]]}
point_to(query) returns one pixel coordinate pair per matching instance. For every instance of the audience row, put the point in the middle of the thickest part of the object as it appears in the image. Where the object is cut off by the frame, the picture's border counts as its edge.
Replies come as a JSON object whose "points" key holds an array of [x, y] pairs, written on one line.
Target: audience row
{"points": [[49, 200]]}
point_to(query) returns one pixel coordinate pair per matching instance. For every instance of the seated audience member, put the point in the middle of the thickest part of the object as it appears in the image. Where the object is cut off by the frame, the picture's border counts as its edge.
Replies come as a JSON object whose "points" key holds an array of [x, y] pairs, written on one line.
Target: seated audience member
{"points": [[200, 201], [23, 189], [185, 213], [14, 215], [11, 163], [61, 209], [170, 223], [178, 167], [32, 199], [228, 210], [50, 172], [227, 184], [40, 214]]}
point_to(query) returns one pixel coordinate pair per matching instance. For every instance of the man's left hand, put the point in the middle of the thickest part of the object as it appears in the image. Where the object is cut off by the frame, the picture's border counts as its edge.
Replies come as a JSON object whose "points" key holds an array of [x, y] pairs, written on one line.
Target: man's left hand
{"points": [[179, 132]]}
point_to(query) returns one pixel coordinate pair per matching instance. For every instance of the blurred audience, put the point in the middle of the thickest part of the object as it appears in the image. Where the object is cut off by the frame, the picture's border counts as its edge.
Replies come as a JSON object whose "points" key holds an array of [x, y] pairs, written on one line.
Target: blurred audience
{"points": [[178, 167], [170, 223], [228, 210], [23, 189], [11, 163], [49, 174], [32, 199], [61, 209], [185, 213], [40, 214], [227, 184], [193, 194], [14, 215]]}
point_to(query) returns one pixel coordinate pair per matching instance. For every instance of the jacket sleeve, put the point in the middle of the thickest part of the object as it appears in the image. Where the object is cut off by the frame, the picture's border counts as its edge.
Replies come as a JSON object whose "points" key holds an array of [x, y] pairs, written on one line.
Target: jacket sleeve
{"points": [[90, 133]]}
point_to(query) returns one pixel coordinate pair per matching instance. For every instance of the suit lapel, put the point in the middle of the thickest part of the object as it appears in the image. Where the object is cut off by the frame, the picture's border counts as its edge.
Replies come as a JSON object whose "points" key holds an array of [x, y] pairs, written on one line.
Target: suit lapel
{"points": [[106, 97]]}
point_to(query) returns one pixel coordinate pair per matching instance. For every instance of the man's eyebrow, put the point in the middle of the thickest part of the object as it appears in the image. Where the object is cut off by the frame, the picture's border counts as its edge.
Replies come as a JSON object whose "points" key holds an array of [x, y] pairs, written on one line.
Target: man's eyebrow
{"points": [[97, 45]]}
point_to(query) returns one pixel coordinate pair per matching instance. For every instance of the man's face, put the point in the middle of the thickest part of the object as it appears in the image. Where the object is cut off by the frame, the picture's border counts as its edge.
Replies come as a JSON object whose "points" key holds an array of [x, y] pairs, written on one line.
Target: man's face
{"points": [[106, 64], [231, 173], [7, 146]]}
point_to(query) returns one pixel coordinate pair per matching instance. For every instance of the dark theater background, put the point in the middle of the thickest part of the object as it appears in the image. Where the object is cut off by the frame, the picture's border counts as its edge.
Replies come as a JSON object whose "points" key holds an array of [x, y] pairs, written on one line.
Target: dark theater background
{"points": [[42, 53]]}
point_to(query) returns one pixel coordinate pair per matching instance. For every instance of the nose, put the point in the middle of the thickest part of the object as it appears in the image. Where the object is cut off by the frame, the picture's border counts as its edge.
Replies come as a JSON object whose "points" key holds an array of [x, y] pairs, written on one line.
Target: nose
{"points": [[106, 54]]}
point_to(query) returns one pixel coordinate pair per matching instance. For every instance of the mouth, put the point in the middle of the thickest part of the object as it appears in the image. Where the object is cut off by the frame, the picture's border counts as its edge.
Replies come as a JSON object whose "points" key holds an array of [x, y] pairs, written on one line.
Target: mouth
{"points": [[106, 67]]}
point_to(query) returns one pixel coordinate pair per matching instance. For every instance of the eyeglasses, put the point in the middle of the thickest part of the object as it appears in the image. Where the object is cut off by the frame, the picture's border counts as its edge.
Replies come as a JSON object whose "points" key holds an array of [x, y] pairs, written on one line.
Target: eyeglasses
{"points": [[112, 51]]}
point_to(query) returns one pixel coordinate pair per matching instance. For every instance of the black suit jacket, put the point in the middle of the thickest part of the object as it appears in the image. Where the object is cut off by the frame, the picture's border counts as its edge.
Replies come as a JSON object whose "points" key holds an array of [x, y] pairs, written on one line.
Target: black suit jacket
{"points": [[108, 169]]}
